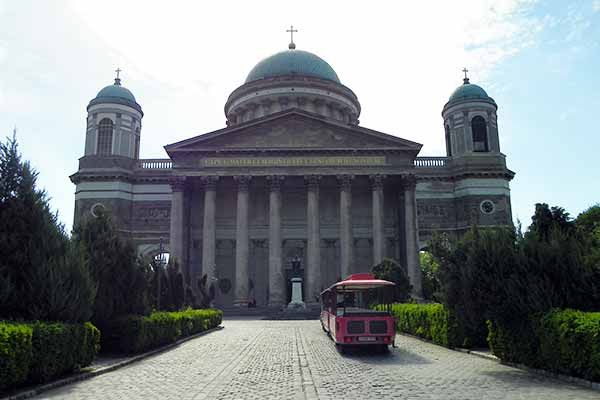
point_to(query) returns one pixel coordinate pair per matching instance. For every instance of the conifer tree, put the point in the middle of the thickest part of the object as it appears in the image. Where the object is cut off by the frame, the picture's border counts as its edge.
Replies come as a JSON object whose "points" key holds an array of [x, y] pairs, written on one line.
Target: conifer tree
{"points": [[41, 275]]}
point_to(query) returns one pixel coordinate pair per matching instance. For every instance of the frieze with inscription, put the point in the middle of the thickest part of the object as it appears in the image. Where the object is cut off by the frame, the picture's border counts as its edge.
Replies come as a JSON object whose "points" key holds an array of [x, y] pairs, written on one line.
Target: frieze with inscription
{"points": [[152, 212], [293, 161]]}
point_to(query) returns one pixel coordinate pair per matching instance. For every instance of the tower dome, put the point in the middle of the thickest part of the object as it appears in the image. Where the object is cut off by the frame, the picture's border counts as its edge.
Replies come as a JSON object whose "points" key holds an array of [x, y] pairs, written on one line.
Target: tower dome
{"points": [[293, 62], [114, 123], [469, 92], [116, 94], [470, 121], [292, 79]]}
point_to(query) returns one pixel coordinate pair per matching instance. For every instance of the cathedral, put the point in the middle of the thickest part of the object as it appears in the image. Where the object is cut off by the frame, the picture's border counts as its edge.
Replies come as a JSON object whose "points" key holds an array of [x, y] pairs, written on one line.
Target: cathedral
{"points": [[293, 178]]}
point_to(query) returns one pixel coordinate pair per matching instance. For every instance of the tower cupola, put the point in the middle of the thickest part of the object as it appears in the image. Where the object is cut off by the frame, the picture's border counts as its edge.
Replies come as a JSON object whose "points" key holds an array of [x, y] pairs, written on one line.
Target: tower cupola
{"points": [[114, 122], [470, 121]]}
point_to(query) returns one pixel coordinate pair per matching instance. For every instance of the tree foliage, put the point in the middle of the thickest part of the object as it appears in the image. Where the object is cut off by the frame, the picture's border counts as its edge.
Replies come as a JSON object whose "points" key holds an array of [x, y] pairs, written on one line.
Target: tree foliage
{"points": [[392, 271], [432, 284], [500, 275], [122, 278], [42, 275]]}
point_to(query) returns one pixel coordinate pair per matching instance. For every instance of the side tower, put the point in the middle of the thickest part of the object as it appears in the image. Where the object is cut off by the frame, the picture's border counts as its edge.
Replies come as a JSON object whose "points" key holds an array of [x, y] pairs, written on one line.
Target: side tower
{"points": [[112, 146], [481, 179]]}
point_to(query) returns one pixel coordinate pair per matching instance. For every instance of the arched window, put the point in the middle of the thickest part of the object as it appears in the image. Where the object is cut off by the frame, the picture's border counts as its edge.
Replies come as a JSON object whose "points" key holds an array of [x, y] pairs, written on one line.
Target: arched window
{"points": [[478, 126], [105, 136], [448, 142]]}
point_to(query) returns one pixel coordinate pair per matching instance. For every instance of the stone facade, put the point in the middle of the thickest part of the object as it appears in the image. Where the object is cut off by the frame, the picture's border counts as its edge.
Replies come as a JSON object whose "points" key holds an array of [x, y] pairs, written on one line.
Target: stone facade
{"points": [[295, 180]]}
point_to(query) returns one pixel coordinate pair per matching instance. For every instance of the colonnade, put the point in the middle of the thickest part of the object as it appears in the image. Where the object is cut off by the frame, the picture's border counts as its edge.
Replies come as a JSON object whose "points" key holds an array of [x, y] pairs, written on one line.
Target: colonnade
{"points": [[277, 284]]}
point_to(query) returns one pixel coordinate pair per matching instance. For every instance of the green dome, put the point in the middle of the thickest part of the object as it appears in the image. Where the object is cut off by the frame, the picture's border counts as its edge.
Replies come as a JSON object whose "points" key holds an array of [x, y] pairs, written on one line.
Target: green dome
{"points": [[293, 62], [469, 91], [116, 94], [116, 91]]}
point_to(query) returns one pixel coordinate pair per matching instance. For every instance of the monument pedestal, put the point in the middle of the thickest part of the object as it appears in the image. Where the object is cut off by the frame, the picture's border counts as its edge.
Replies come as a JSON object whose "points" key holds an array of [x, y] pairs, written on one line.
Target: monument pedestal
{"points": [[296, 303]]}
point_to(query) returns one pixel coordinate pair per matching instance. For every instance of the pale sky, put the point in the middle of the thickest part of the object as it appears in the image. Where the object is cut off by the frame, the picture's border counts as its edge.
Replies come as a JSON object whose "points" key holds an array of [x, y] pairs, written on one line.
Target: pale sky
{"points": [[182, 59]]}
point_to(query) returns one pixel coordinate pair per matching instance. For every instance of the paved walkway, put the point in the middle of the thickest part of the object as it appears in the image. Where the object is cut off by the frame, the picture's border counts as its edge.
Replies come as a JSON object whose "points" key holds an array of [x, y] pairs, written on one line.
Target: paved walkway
{"points": [[252, 359]]}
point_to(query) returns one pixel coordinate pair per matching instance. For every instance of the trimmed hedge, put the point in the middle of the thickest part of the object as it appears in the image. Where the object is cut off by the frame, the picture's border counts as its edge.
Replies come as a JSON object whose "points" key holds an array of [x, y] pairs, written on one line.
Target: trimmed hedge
{"points": [[561, 341], [134, 333], [15, 353], [59, 348], [41, 351], [429, 321]]}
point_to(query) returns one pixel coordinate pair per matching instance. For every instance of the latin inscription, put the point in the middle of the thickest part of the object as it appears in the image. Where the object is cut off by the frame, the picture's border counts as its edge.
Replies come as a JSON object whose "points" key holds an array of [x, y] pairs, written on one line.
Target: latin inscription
{"points": [[293, 161]]}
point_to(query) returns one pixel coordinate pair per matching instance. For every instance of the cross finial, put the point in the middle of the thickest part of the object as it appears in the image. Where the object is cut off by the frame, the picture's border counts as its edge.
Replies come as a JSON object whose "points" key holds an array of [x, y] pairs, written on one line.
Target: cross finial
{"points": [[466, 79], [117, 79], [292, 45]]}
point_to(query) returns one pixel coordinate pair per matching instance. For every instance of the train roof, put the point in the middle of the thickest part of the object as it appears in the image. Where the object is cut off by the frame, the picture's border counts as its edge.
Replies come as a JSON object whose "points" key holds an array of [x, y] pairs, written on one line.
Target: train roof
{"points": [[357, 282]]}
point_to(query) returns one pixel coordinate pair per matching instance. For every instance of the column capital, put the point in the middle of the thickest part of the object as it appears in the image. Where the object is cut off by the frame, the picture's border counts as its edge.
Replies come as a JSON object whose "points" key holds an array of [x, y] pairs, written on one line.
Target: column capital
{"points": [[409, 182], [377, 181], [275, 182], [345, 181], [209, 182], [243, 182], [177, 183], [312, 181]]}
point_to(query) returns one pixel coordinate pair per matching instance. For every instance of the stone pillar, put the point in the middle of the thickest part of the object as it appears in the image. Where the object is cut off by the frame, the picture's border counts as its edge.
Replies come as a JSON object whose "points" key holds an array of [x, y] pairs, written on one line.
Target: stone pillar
{"points": [[411, 231], [177, 232], [378, 229], [313, 265], [346, 239], [277, 284], [241, 242], [208, 228]]}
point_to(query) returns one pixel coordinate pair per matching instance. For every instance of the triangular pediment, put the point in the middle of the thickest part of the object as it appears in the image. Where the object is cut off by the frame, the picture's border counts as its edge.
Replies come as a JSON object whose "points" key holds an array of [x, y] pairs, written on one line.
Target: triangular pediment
{"points": [[293, 130]]}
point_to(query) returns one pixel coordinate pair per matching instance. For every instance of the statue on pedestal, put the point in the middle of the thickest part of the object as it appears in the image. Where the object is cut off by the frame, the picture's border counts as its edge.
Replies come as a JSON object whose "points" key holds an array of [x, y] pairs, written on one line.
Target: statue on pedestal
{"points": [[296, 303]]}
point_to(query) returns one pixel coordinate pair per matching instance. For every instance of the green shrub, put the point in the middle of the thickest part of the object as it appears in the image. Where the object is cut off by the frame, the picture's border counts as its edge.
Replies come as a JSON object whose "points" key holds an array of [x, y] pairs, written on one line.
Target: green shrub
{"points": [[15, 353], [429, 321], [60, 348], [134, 333], [41, 351], [561, 341], [570, 343]]}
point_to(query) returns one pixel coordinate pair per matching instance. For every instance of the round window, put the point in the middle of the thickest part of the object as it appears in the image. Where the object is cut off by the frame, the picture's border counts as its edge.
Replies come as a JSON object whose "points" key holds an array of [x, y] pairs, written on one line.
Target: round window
{"points": [[487, 207], [97, 209]]}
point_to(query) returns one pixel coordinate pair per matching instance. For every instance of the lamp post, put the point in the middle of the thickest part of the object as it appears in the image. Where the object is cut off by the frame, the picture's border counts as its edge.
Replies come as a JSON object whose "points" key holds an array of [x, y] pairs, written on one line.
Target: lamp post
{"points": [[159, 266]]}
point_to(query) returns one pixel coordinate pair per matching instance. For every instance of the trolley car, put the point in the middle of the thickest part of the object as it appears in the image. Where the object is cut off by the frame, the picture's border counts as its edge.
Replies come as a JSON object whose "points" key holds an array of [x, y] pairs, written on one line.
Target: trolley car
{"points": [[346, 318]]}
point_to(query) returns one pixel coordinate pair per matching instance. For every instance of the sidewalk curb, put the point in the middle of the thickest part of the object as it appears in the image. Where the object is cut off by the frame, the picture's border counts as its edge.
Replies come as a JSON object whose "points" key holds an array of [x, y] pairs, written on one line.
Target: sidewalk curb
{"points": [[547, 374], [26, 394]]}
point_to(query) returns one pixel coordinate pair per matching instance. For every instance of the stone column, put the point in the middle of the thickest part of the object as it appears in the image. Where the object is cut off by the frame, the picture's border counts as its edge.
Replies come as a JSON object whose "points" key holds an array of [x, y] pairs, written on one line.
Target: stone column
{"points": [[177, 232], [411, 231], [313, 265], [241, 242], [378, 229], [346, 239], [208, 228], [277, 286]]}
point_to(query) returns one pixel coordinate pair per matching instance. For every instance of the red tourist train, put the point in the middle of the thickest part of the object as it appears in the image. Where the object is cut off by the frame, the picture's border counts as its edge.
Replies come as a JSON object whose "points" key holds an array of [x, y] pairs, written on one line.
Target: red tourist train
{"points": [[348, 320]]}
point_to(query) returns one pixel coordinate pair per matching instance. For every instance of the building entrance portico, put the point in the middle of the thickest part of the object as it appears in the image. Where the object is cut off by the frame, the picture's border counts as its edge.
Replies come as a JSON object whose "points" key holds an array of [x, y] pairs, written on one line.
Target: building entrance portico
{"points": [[330, 210]]}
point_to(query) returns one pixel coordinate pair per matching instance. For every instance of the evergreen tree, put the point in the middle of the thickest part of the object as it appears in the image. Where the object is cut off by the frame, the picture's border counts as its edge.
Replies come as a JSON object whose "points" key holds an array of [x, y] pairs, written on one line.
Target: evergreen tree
{"points": [[122, 278], [390, 270], [41, 275]]}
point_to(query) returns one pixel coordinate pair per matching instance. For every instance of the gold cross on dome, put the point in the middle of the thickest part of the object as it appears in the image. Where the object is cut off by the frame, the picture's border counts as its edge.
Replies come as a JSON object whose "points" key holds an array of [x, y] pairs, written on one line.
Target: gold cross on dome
{"points": [[465, 71], [118, 71]]}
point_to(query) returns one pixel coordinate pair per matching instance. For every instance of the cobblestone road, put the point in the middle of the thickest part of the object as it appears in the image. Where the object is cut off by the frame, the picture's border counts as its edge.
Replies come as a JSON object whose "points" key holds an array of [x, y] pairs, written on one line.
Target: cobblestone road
{"points": [[252, 359]]}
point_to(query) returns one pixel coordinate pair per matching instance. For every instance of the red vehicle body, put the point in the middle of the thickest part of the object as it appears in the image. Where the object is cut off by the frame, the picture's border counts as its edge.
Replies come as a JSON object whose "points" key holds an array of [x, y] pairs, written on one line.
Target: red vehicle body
{"points": [[347, 319]]}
